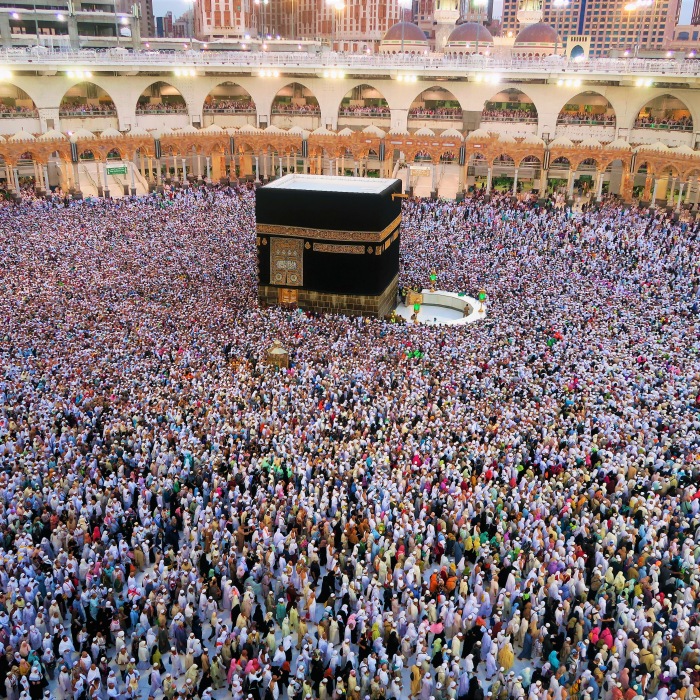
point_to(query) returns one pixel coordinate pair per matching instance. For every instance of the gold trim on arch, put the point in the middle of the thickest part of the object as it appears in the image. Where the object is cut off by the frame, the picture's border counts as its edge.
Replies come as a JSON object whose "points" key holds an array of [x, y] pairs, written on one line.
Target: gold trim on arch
{"points": [[320, 234]]}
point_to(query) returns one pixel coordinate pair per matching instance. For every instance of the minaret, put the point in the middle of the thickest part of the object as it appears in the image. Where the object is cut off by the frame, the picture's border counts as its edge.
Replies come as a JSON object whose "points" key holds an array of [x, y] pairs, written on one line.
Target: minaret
{"points": [[445, 16], [530, 12]]}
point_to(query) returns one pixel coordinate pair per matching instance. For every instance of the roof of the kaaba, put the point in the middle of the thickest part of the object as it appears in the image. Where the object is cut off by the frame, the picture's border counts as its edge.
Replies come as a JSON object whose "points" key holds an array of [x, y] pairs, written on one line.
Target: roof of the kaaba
{"points": [[328, 183], [327, 203]]}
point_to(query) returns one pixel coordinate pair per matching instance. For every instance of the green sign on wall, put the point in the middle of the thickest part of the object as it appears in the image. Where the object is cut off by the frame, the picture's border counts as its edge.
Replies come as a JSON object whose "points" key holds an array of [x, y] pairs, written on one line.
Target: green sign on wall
{"points": [[117, 170]]}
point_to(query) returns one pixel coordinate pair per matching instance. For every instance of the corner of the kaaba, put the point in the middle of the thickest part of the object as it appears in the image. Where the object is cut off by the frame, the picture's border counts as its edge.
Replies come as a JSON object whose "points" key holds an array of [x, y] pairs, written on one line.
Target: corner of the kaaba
{"points": [[329, 244]]}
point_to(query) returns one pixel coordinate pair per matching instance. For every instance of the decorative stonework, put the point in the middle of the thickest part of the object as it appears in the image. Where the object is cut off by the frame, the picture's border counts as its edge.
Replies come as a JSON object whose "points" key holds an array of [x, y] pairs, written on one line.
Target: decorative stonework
{"points": [[347, 249], [356, 146], [287, 262], [327, 234]]}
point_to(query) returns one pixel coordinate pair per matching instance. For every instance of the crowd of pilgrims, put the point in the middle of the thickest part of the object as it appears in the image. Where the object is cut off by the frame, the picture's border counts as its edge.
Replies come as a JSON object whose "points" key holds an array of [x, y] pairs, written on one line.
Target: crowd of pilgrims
{"points": [[508, 510]]}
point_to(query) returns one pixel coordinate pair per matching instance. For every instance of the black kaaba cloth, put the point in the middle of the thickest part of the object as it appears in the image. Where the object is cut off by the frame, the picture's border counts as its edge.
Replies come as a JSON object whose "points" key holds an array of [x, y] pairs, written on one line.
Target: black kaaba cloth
{"points": [[323, 235]]}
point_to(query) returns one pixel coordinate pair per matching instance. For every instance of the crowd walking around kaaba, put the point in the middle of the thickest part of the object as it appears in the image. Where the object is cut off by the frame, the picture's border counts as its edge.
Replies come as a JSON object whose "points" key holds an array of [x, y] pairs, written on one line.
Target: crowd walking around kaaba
{"points": [[508, 510]]}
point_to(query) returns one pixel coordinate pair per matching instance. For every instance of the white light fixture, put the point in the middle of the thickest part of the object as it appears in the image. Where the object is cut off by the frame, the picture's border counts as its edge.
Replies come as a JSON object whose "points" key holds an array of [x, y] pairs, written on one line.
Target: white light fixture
{"points": [[560, 82], [15, 15], [60, 17], [5, 75], [125, 20]]}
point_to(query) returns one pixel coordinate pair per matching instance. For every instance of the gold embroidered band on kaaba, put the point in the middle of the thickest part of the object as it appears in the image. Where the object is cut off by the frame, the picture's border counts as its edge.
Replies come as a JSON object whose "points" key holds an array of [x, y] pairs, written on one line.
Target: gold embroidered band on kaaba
{"points": [[321, 234]]}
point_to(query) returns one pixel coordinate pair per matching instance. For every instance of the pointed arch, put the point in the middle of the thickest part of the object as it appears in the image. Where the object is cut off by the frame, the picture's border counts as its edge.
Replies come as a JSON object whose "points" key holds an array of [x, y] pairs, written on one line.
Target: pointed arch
{"points": [[160, 97], [87, 99], [229, 97], [664, 112], [295, 98], [365, 101], [435, 103], [510, 105], [15, 102], [587, 108]]}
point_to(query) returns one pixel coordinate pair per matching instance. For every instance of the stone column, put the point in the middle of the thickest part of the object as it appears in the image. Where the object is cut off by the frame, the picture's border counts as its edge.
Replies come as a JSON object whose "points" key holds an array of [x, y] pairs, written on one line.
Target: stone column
{"points": [[342, 165], [680, 196], [106, 192], [671, 193], [209, 168], [489, 180], [570, 185], [599, 186], [47, 186], [257, 169], [16, 178], [688, 192], [515, 182], [654, 193], [133, 179], [76, 178], [543, 182]]}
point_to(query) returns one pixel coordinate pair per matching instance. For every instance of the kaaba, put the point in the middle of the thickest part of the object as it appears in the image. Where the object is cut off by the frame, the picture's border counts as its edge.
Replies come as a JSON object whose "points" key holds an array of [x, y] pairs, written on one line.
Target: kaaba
{"points": [[329, 244]]}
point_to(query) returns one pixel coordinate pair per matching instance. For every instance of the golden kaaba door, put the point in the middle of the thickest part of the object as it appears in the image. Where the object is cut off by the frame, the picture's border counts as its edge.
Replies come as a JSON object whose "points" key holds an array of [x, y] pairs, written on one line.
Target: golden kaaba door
{"points": [[288, 296], [287, 261]]}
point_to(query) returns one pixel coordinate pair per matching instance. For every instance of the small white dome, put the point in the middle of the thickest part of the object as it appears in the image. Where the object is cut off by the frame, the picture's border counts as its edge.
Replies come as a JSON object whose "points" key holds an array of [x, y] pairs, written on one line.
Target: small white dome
{"points": [[22, 135], [374, 130], [110, 134], [80, 134], [685, 150], [322, 131], [451, 134], [137, 131], [424, 132], [590, 143], [658, 146], [562, 142], [52, 134], [619, 145], [478, 134], [532, 139], [249, 129]]}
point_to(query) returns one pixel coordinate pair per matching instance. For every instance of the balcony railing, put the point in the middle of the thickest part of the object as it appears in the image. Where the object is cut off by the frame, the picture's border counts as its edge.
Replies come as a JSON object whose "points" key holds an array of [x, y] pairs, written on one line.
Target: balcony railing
{"points": [[161, 109], [513, 119], [221, 109], [87, 112], [310, 111], [668, 126], [246, 60], [20, 114], [365, 112], [434, 115], [585, 121]]}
